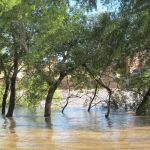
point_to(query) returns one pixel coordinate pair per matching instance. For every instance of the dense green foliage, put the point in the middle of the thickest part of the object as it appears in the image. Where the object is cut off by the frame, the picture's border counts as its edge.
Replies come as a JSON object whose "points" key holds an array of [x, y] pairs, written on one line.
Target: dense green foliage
{"points": [[41, 42]]}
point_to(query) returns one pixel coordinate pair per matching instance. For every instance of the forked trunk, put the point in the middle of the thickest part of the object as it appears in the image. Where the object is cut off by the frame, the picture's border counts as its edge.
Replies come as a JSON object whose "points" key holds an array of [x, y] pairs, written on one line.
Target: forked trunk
{"points": [[100, 82], [13, 88]]}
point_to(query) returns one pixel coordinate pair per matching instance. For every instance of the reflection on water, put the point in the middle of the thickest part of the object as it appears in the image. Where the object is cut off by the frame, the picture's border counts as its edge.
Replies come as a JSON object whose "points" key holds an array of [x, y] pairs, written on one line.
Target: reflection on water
{"points": [[76, 129]]}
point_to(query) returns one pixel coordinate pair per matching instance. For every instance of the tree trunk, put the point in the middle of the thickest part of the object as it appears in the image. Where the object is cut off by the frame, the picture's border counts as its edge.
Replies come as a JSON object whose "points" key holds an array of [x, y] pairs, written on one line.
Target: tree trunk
{"points": [[48, 122], [100, 82], [67, 102], [50, 95], [13, 88], [144, 107], [48, 102], [109, 103], [69, 96], [5, 96], [90, 104]]}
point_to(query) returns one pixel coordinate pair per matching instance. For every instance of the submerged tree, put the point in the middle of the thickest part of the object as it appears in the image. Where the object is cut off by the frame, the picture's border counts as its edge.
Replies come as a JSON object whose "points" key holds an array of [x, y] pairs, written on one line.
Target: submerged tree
{"points": [[108, 36], [14, 37], [50, 40], [59, 32], [137, 50], [5, 69]]}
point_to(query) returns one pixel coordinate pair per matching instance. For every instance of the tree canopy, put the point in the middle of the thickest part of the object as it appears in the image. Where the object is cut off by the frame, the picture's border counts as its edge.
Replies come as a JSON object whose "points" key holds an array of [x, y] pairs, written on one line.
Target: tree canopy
{"points": [[47, 40]]}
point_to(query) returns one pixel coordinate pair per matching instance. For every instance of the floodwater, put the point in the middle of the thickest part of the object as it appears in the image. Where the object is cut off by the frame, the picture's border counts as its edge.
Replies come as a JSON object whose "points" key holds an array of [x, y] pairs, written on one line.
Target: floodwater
{"points": [[75, 130]]}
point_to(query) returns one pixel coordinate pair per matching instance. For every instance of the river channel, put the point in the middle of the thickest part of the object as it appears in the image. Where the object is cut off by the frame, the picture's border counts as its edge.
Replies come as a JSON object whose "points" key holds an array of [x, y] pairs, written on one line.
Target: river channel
{"points": [[76, 129]]}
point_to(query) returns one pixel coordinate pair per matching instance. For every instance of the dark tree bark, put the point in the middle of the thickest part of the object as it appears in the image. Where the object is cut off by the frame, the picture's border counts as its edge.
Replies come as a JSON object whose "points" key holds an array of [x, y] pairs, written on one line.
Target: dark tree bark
{"points": [[100, 82], [90, 104], [5, 96], [109, 102], [7, 84], [69, 96], [67, 102], [142, 109], [13, 87], [48, 101], [48, 122], [50, 94]]}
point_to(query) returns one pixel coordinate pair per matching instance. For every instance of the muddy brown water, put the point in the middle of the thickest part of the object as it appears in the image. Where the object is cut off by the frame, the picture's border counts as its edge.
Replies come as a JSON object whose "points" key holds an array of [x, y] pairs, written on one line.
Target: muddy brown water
{"points": [[75, 130]]}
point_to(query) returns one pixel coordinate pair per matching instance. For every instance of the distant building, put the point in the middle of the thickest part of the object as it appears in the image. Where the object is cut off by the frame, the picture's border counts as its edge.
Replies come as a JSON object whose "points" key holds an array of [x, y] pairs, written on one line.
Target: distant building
{"points": [[138, 62]]}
